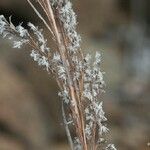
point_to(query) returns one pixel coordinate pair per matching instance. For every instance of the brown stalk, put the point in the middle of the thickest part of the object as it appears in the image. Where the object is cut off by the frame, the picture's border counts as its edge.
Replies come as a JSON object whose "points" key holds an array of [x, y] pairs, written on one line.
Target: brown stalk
{"points": [[62, 50], [77, 89], [79, 116]]}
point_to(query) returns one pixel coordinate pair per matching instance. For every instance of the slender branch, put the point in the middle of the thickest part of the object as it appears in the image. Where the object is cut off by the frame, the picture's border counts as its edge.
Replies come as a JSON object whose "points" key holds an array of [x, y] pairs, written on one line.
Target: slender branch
{"points": [[67, 128], [39, 15]]}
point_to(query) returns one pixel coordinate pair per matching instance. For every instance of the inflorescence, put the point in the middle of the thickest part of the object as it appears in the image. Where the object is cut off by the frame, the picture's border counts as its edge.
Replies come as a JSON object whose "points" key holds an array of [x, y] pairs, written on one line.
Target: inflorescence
{"points": [[79, 76]]}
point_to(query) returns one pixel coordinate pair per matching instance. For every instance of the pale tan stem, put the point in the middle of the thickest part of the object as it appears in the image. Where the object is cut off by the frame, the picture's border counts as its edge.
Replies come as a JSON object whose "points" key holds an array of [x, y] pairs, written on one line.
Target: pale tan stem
{"points": [[39, 15], [67, 128]]}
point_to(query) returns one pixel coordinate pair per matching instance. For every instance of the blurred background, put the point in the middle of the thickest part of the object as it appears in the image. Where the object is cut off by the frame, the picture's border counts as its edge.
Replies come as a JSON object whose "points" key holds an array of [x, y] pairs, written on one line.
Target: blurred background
{"points": [[30, 114]]}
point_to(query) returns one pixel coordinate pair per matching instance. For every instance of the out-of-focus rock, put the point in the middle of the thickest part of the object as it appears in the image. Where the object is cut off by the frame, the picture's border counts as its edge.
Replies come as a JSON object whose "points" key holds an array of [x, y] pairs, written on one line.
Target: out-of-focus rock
{"points": [[6, 143], [20, 115]]}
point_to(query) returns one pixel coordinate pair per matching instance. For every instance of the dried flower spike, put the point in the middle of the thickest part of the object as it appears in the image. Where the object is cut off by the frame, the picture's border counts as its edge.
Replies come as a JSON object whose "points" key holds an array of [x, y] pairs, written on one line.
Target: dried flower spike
{"points": [[79, 78]]}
